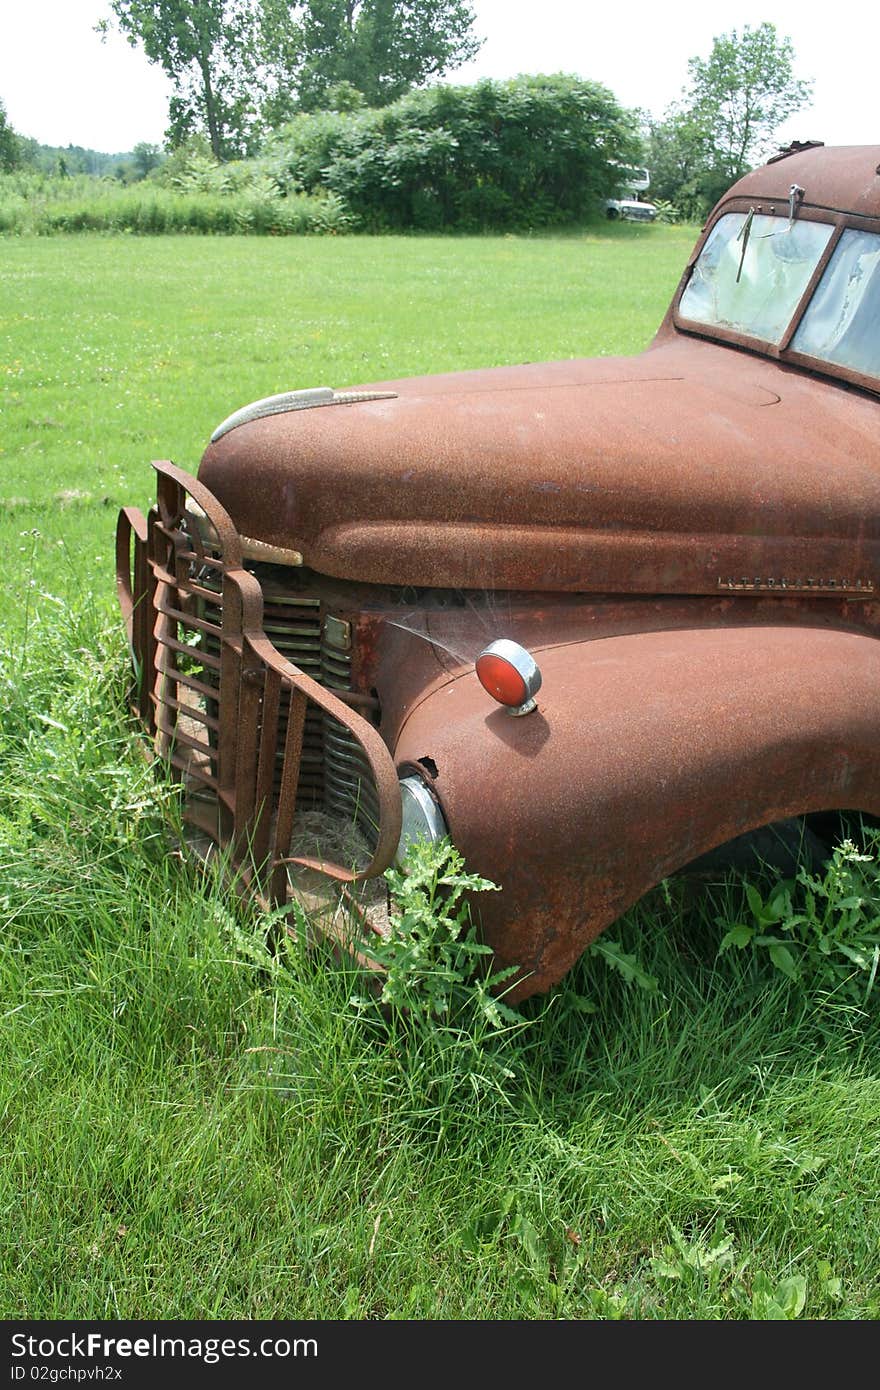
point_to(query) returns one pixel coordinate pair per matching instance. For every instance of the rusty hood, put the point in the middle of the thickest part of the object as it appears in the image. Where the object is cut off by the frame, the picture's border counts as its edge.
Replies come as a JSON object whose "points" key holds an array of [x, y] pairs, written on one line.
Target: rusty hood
{"points": [[689, 468]]}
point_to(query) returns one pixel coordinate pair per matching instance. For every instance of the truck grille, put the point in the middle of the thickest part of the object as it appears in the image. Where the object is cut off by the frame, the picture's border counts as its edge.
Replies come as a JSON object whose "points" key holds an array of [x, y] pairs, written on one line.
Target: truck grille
{"points": [[334, 775], [240, 680]]}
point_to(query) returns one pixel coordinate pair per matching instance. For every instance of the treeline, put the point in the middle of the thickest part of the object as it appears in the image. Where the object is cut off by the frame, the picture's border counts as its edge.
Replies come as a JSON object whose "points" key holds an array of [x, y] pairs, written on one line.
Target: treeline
{"points": [[530, 152], [72, 159]]}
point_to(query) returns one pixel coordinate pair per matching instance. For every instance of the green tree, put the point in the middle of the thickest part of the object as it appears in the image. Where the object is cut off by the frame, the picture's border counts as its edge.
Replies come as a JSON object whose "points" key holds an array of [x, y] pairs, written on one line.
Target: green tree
{"points": [[145, 157], [381, 48], [727, 117], [29, 151], [681, 157], [529, 152], [10, 144], [208, 48], [239, 67], [740, 95]]}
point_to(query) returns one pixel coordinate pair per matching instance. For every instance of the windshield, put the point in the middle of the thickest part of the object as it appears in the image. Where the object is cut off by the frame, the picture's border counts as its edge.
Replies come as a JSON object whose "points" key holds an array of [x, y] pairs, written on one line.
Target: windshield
{"points": [[752, 272], [842, 321]]}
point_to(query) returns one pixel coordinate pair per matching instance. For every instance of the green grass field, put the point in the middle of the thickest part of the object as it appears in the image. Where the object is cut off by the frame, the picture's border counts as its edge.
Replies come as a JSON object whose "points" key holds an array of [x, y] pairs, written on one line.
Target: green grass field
{"points": [[190, 1127], [118, 350]]}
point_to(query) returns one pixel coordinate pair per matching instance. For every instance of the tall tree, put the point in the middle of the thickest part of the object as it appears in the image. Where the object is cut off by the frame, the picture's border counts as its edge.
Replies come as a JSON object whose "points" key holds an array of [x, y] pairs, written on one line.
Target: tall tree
{"points": [[145, 157], [380, 48], [727, 117], [239, 65], [682, 158], [742, 93], [208, 49], [10, 144]]}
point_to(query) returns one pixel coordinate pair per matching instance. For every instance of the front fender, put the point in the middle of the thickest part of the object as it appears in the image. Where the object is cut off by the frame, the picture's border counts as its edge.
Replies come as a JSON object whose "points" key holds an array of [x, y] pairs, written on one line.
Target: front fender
{"points": [[646, 751]]}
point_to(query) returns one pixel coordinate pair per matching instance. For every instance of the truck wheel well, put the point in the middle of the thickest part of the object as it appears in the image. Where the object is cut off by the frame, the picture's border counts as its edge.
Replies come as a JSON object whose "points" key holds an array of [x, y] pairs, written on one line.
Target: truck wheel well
{"points": [[784, 845]]}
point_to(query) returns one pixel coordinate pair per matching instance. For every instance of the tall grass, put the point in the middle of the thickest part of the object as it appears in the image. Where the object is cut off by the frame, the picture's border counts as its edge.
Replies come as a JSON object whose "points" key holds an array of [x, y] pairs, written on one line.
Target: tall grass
{"points": [[191, 1126], [40, 205]]}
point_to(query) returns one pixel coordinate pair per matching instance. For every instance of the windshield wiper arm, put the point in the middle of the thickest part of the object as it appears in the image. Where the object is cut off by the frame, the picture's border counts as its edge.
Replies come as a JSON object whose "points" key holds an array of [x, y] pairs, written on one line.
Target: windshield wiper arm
{"points": [[743, 235]]}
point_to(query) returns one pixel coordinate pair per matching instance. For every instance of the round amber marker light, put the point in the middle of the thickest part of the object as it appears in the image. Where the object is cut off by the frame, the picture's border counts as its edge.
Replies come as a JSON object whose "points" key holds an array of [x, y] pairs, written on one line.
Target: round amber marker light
{"points": [[501, 679]]}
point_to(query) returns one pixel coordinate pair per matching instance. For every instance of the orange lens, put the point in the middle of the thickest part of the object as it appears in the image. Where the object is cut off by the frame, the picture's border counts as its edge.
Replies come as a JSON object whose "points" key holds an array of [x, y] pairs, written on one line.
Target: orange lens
{"points": [[502, 680]]}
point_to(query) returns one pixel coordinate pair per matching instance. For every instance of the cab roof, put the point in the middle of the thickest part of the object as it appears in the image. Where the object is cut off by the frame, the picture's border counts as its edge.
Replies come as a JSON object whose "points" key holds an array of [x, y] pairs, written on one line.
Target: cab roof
{"points": [[842, 178]]}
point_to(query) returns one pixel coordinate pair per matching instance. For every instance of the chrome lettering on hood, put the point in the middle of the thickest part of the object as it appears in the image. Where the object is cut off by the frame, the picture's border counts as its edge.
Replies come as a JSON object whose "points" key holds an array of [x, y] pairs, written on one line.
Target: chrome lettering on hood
{"points": [[810, 585]]}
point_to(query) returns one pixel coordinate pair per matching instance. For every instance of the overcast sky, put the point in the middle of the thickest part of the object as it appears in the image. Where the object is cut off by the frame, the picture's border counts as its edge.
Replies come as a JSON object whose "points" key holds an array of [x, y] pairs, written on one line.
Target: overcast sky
{"points": [[62, 85]]}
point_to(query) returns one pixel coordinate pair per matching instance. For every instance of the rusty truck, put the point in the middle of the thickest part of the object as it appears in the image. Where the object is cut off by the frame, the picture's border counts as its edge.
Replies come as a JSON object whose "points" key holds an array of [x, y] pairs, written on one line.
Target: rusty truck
{"points": [[587, 618]]}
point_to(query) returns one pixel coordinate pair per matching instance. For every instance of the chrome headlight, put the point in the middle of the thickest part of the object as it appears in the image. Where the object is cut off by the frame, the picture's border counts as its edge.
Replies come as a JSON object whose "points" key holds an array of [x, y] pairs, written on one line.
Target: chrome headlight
{"points": [[422, 817]]}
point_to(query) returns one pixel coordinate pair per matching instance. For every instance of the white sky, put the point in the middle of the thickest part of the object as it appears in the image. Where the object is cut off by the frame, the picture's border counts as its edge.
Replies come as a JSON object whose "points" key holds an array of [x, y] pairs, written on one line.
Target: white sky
{"points": [[62, 85]]}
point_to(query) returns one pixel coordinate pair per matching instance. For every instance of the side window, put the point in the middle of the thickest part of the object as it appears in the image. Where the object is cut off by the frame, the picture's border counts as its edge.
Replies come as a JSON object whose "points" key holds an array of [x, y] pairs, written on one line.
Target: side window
{"points": [[842, 322]]}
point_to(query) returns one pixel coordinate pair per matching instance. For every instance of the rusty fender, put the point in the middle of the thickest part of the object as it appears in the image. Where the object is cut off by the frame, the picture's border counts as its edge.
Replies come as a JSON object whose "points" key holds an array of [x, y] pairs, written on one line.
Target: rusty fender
{"points": [[646, 750]]}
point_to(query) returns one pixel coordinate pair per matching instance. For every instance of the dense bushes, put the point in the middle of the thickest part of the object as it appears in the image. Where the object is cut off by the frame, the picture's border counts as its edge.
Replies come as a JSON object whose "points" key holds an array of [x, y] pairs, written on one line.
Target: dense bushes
{"points": [[528, 152], [531, 152]]}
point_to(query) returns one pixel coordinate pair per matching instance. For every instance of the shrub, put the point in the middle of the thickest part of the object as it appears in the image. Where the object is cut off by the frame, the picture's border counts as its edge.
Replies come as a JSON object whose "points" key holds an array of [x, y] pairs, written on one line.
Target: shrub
{"points": [[528, 152], [667, 212]]}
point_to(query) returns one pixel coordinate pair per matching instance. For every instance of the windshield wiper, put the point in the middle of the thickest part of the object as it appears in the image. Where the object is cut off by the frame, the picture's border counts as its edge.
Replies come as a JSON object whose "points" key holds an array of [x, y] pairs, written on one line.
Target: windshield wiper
{"points": [[743, 235]]}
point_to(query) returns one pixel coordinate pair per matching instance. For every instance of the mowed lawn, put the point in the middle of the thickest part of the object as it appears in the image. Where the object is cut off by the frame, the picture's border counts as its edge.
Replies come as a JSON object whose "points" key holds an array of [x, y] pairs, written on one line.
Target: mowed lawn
{"points": [[190, 1127]]}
